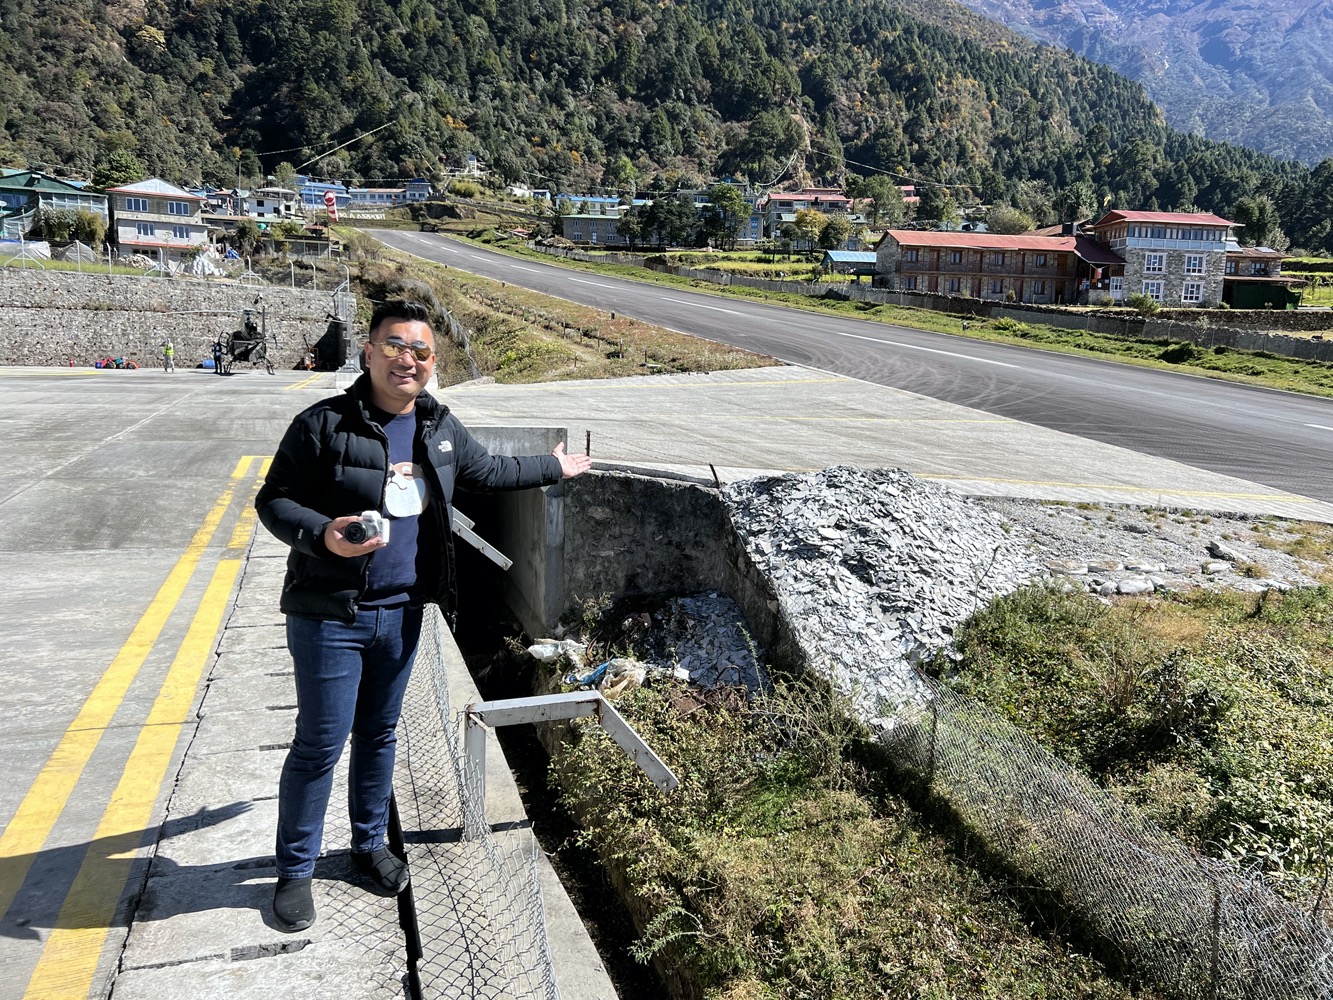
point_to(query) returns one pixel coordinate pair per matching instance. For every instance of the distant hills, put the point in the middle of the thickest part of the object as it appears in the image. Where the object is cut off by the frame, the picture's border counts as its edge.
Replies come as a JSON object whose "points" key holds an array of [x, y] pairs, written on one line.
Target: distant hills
{"points": [[1259, 74], [615, 94]]}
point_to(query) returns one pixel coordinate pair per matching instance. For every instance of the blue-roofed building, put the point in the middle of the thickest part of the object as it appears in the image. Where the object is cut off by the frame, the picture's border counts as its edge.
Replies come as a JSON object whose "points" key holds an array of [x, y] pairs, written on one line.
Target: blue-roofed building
{"points": [[312, 194], [860, 263]]}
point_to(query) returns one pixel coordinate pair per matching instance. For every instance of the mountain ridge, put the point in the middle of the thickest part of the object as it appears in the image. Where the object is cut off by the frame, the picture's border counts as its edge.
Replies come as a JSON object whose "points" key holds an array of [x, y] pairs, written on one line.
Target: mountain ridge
{"points": [[618, 95], [1259, 75]]}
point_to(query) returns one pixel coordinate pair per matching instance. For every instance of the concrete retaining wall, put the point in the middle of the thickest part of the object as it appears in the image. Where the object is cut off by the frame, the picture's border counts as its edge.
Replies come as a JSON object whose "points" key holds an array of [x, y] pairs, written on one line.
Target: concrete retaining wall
{"points": [[632, 536], [55, 317], [611, 535]]}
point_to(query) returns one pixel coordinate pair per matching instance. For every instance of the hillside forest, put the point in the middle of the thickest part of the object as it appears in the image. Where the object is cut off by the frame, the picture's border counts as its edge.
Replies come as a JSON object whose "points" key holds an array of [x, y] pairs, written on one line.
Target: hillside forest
{"points": [[616, 95]]}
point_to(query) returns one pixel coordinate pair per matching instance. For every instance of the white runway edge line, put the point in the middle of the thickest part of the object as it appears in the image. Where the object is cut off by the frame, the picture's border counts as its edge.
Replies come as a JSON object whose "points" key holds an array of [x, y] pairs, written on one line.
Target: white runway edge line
{"points": [[700, 305], [1319, 427], [918, 347], [584, 281]]}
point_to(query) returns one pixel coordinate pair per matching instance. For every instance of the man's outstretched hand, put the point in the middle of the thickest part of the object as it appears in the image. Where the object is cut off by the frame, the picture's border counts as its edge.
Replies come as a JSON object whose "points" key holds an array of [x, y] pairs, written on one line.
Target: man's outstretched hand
{"points": [[571, 465]]}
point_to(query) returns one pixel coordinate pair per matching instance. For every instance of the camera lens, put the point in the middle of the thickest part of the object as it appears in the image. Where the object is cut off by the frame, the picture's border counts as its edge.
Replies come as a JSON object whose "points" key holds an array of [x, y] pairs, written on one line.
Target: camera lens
{"points": [[356, 532]]}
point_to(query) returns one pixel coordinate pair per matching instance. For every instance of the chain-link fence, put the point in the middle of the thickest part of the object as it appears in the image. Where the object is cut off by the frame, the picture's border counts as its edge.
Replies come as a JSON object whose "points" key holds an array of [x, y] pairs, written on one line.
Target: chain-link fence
{"points": [[1197, 927], [480, 917]]}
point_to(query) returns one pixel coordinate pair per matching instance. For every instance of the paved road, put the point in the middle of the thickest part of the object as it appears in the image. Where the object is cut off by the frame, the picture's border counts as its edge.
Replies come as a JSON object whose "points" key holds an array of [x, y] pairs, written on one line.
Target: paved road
{"points": [[1283, 440], [125, 512]]}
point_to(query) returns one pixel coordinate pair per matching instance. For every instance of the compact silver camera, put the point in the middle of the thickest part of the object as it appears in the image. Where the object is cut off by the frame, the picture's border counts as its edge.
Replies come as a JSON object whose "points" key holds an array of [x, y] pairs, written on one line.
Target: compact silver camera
{"points": [[371, 525]]}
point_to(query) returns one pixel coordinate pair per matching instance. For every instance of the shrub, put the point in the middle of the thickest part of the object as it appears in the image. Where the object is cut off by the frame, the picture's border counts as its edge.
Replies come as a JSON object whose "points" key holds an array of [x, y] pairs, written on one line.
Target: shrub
{"points": [[1144, 305], [1012, 326], [1179, 354], [464, 189]]}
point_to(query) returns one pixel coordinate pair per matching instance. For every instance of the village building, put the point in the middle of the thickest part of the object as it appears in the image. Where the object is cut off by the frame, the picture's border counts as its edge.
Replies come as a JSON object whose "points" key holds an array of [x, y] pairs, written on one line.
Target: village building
{"points": [[596, 228], [780, 207], [271, 202], [376, 197], [25, 192], [156, 218], [1027, 268], [1178, 258], [1254, 280]]}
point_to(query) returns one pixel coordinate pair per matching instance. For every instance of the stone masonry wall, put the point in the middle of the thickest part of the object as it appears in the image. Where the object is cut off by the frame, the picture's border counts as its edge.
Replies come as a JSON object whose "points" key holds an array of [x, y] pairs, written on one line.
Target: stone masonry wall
{"points": [[59, 318]]}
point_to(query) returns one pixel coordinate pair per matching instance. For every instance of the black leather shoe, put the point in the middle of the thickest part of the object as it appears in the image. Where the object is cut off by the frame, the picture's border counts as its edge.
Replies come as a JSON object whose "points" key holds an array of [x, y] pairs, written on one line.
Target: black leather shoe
{"points": [[387, 872], [293, 904]]}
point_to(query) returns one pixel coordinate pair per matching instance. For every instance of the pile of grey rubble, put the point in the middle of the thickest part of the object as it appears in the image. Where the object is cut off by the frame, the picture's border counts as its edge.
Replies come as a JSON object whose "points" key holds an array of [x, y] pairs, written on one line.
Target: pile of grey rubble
{"points": [[874, 570], [706, 635]]}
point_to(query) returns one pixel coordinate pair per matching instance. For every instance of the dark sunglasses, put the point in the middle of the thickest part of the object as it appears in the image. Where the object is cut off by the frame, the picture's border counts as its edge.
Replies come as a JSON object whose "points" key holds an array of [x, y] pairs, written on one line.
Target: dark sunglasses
{"points": [[393, 347]]}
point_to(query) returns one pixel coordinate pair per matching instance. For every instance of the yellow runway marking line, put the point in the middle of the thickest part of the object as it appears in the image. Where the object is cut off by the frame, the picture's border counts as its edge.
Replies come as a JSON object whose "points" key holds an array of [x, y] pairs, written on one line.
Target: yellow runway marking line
{"points": [[41, 807], [1283, 497], [305, 382], [69, 959], [245, 524]]}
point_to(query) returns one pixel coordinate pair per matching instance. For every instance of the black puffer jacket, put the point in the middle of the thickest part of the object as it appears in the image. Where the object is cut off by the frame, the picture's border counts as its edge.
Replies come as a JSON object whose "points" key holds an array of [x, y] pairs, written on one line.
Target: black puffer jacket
{"points": [[334, 461]]}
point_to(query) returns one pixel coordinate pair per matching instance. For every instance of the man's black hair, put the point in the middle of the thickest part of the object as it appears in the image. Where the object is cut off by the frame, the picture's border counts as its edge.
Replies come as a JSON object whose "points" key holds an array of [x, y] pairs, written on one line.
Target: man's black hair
{"points": [[404, 309]]}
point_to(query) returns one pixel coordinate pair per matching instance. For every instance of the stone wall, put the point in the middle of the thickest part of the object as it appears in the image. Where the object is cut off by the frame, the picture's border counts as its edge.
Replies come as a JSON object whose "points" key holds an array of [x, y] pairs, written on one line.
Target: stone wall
{"points": [[631, 536], [59, 317]]}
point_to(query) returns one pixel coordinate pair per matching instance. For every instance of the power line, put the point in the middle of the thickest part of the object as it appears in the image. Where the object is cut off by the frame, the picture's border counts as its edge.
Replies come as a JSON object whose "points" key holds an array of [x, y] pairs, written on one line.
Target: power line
{"points": [[335, 149], [879, 170]]}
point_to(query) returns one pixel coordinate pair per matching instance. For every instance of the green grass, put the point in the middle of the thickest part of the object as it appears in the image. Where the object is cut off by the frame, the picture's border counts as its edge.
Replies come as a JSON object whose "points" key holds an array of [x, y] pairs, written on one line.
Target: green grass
{"points": [[1213, 712], [778, 869], [61, 265], [788, 864]]}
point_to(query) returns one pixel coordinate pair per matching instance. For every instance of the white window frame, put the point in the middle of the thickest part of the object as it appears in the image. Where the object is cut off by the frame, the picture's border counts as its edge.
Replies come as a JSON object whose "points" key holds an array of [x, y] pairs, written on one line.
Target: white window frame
{"points": [[1191, 292], [178, 208], [144, 229], [1154, 263], [181, 232], [1194, 264], [1154, 289], [1117, 282], [136, 204]]}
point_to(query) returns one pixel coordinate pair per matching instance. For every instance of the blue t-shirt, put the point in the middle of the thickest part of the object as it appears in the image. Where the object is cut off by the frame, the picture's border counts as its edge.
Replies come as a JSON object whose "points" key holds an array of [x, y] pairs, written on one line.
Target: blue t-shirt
{"points": [[393, 569]]}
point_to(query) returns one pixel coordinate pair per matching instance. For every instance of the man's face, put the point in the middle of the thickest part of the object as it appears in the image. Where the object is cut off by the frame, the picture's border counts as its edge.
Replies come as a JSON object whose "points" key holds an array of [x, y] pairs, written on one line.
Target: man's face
{"points": [[396, 382]]}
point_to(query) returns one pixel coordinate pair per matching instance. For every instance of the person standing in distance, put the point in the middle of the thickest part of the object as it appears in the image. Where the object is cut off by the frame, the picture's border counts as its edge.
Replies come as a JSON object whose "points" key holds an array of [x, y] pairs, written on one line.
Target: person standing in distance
{"points": [[168, 355], [354, 609]]}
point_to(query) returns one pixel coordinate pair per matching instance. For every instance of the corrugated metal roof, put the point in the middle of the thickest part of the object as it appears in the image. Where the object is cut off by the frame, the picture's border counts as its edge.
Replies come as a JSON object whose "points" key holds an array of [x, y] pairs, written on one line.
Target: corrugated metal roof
{"points": [[1266, 253], [850, 256], [157, 186], [1095, 253], [1087, 248], [35, 180], [981, 241], [1165, 218]]}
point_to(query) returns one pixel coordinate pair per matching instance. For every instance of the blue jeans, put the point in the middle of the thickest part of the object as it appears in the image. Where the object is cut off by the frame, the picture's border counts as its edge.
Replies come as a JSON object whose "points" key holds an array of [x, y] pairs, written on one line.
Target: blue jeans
{"points": [[350, 679]]}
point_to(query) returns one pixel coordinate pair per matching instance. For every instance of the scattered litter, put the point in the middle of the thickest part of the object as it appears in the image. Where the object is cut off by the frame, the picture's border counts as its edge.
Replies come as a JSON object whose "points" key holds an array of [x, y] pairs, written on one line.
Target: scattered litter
{"points": [[550, 650], [622, 676]]}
